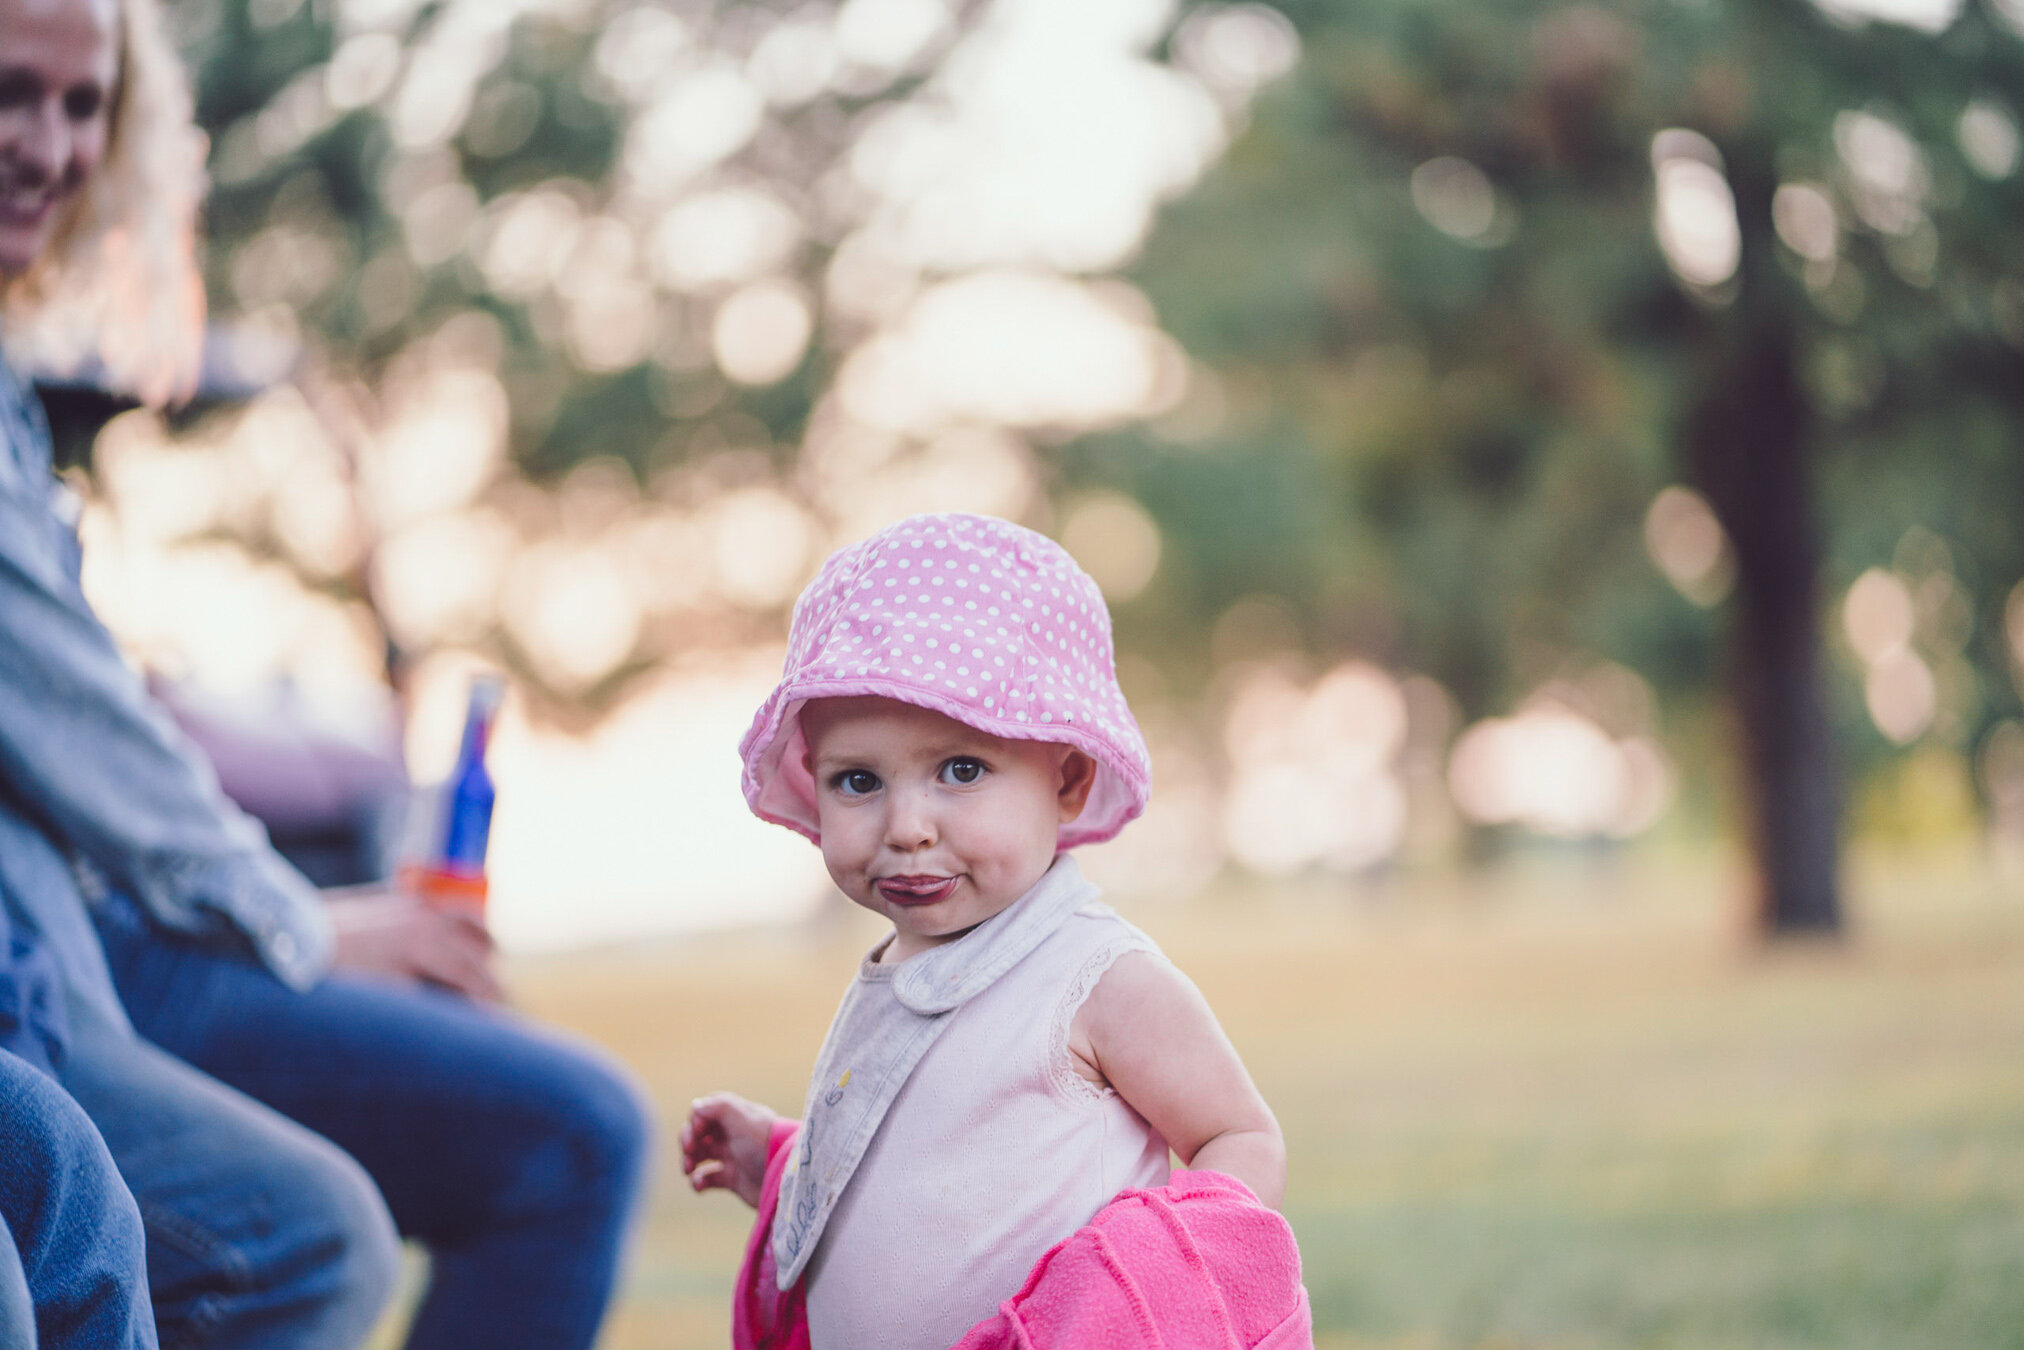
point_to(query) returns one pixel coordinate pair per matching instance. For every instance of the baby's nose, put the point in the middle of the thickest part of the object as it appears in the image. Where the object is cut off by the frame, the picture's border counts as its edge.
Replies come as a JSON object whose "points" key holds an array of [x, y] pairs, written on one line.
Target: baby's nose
{"points": [[911, 825]]}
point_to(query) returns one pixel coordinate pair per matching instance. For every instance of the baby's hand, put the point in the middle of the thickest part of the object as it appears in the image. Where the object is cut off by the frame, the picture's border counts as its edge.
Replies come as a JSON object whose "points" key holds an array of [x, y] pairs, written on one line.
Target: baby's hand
{"points": [[724, 1145]]}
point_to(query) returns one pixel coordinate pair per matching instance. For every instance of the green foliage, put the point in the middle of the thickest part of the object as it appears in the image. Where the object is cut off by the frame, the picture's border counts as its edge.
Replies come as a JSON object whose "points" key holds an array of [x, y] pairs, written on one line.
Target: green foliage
{"points": [[1448, 361], [1488, 416], [285, 159]]}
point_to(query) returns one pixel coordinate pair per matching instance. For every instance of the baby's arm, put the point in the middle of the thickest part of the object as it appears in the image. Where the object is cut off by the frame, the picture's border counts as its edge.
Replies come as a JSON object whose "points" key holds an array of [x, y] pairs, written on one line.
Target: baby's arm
{"points": [[724, 1145], [1148, 1032]]}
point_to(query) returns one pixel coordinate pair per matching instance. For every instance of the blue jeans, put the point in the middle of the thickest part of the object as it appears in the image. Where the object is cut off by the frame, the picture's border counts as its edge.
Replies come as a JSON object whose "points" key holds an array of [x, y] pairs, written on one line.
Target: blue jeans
{"points": [[74, 1246], [17, 1305], [515, 1156]]}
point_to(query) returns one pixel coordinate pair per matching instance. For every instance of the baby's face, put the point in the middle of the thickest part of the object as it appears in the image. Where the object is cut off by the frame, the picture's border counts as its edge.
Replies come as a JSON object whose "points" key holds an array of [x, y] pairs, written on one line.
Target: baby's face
{"points": [[931, 823]]}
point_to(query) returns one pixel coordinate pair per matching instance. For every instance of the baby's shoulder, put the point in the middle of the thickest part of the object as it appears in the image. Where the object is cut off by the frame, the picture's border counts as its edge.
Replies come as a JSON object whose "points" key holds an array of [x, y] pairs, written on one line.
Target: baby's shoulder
{"points": [[1092, 941], [1097, 925], [1125, 980], [1133, 1001], [1135, 972]]}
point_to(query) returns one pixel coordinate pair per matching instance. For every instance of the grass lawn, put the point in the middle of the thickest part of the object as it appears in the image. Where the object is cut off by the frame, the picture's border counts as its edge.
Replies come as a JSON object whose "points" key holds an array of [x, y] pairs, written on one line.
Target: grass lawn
{"points": [[1563, 1105]]}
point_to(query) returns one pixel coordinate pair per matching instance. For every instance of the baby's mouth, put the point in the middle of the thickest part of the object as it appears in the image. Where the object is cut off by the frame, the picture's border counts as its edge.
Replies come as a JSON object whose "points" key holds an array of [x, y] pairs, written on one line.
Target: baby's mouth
{"points": [[915, 890]]}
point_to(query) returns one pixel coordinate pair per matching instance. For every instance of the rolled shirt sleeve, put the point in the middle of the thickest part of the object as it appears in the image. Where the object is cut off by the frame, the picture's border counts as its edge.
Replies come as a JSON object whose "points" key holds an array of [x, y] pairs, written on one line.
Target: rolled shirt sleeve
{"points": [[87, 751]]}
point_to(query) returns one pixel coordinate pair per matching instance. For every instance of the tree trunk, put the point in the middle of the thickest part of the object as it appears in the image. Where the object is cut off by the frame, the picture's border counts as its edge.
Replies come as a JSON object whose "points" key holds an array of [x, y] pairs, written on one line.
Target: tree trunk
{"points": [[1747, 441]]}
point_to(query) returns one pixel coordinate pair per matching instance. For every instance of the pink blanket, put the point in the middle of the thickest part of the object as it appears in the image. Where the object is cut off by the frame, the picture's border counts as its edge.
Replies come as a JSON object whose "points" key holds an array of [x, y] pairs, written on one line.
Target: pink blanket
{"points": [[1197, 1264]]}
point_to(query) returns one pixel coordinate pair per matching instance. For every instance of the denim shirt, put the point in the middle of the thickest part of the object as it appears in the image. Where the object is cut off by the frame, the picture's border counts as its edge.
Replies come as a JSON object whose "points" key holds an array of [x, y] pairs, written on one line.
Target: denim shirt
{"points": [[99, 791]]}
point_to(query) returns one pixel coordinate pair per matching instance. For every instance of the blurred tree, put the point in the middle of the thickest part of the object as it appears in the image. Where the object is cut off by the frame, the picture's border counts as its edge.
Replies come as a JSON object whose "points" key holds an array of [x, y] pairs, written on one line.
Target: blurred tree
{"points": [[643, 241], [1481, 278], [1477, 282]]}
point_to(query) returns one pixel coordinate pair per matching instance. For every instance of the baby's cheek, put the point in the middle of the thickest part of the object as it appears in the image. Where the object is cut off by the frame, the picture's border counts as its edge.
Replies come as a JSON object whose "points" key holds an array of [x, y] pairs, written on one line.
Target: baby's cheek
{"points": [[836, 860], [1019, 852], [836, 857]]}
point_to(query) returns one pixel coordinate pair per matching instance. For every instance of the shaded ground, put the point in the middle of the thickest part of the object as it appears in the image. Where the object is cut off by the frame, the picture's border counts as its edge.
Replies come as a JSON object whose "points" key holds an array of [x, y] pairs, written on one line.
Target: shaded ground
{"points": [[1562, 1106]]}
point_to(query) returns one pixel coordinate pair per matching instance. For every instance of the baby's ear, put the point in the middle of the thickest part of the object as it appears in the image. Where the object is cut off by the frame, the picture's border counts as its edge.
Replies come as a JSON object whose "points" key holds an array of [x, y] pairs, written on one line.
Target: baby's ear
{"points": [[1078, 776]]}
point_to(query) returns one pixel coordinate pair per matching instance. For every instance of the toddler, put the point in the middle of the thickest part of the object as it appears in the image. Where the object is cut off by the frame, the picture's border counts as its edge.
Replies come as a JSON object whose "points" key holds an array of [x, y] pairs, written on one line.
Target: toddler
{"points": [[1014, 1054]]}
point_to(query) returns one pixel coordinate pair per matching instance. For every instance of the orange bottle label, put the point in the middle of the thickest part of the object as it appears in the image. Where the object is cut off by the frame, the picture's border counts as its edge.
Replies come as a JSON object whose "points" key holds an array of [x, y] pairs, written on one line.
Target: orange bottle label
{"points": [[445, 888]]}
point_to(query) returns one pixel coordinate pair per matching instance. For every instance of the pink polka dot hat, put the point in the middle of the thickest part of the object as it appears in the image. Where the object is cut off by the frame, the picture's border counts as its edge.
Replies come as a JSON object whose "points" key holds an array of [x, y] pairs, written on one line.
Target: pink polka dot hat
{"points": [[975, 618]]}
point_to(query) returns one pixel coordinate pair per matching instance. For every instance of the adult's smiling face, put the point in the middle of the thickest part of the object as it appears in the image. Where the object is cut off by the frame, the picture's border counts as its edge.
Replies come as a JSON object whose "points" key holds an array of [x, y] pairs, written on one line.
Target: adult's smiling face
{"points": [[59, 66]]}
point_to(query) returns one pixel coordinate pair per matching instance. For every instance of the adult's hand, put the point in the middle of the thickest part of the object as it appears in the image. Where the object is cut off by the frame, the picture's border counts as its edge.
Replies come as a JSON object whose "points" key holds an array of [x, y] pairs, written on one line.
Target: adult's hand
{"points": [[385, 931]]}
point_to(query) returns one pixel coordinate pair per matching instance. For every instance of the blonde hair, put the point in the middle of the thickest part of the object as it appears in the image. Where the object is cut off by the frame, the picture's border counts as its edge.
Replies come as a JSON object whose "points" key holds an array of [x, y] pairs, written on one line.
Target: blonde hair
{"points": [[120, 280]]}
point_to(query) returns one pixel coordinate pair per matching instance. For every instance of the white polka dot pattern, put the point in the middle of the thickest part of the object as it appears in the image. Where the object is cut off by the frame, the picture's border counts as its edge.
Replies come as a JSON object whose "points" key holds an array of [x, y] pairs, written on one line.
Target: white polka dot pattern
{"points": [[976, 618]]}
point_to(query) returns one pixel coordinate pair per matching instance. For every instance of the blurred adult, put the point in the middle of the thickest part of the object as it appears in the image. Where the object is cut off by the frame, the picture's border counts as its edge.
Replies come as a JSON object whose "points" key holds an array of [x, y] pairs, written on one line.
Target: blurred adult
{"points": [[285, 1082], [72, 1269]]}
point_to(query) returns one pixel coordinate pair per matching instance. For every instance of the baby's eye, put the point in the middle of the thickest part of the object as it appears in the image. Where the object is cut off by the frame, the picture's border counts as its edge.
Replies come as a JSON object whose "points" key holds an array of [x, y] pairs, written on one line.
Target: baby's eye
{"points": [[855, 782], [962, 772]]}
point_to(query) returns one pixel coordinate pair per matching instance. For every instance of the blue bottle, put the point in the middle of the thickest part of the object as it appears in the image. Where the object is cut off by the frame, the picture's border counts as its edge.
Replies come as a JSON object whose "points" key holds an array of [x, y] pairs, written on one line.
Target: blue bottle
{"points": [[468, 809]]}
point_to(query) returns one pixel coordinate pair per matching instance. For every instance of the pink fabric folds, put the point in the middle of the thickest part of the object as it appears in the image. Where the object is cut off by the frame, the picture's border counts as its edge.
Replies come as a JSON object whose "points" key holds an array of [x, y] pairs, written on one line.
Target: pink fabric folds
{"points": [[1197, 1264], [762, 1317], [972, 617]]}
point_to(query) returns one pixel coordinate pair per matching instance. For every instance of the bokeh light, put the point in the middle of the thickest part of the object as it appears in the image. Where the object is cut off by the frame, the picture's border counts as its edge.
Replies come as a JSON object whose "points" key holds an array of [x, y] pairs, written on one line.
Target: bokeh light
{"points": [[1806, 220], [1553, 770], [1456, 198], [1989, 138], [762, 542], [1689, 545], [1878, 615], [567, 605], [1234, 49], [1115, 540], [723, 237], [1016, 349], [761, 331], [1927, 16], [1696, 212], [1901, 695], [437, 579], [1314, 768], [1887, 173]]}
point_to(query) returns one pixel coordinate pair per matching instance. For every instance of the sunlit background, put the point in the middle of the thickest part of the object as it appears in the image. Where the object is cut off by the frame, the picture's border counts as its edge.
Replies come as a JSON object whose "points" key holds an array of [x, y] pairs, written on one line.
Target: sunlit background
{"points": [[966, 220], [590, 328]]}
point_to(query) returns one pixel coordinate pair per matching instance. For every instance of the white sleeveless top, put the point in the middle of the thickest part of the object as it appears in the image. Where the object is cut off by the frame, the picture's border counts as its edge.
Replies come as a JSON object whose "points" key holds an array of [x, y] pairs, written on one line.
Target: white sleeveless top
{"points": [[995, 1150]]}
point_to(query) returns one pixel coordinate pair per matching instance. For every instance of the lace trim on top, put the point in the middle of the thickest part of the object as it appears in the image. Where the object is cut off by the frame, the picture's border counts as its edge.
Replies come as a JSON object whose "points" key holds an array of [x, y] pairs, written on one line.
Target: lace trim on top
{"points": [[1060, 1066]]}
